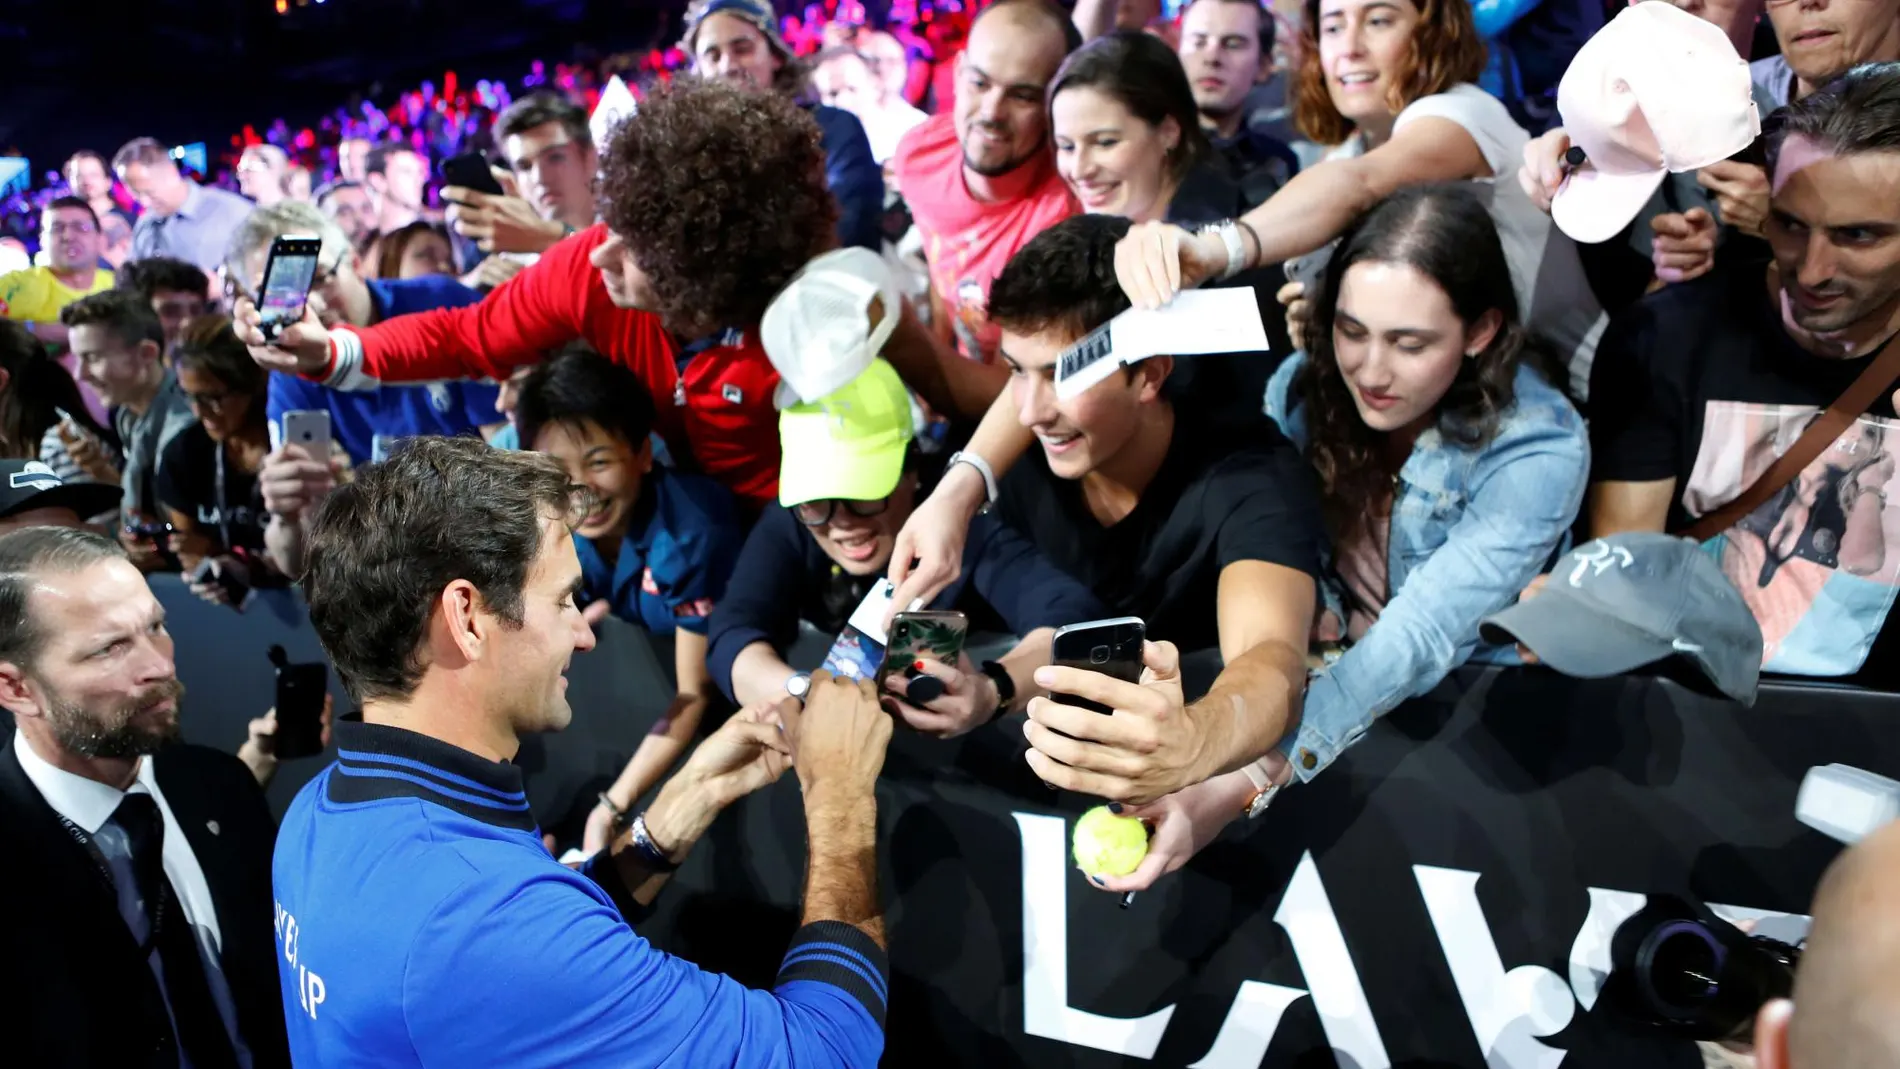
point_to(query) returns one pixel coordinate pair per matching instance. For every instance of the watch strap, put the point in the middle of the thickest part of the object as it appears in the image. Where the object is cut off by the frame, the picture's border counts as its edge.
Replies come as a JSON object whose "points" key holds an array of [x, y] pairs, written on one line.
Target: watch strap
{"points": [[651, 856], [1005, 686], [1264, 788]]}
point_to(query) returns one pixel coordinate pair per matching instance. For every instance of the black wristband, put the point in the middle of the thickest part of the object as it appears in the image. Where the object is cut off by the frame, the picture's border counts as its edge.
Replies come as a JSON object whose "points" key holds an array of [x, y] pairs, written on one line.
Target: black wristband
{"points": [[1005, 686]]}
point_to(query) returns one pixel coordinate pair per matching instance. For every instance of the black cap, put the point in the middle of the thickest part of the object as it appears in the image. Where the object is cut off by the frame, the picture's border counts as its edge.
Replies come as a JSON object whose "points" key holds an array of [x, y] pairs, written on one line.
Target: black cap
{"points": [[29, 484]]}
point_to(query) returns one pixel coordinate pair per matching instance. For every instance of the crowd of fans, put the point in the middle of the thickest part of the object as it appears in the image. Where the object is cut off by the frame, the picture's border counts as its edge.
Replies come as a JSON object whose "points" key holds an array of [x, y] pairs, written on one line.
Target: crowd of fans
{"points": [[796, 326]]}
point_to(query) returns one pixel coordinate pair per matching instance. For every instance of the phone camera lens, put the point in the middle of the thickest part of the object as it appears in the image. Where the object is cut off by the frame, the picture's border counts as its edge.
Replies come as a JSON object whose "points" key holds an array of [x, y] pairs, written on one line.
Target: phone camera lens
{"points": [[1098, 655]]}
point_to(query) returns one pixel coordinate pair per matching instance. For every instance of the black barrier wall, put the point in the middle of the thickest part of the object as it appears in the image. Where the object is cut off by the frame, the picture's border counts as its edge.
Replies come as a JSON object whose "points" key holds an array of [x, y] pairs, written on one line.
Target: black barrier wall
{"points": [[1441, 897]]}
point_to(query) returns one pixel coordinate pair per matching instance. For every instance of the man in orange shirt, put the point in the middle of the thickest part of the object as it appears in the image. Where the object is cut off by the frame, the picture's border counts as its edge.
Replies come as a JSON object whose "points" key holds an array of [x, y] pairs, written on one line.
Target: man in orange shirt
{"points": [[980, 179]]}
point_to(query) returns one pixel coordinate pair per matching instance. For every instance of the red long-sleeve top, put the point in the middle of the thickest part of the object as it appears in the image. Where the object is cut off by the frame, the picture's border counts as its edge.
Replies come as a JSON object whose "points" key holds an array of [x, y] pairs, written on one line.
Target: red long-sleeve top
{"points": [[715, 409]]}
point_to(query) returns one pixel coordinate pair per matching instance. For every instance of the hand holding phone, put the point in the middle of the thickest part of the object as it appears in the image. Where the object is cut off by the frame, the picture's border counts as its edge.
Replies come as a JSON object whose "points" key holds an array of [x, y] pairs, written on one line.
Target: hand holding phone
{"points": [[1111, 647], [301, 692], [917, 637], [288, 276], [470, 171]]}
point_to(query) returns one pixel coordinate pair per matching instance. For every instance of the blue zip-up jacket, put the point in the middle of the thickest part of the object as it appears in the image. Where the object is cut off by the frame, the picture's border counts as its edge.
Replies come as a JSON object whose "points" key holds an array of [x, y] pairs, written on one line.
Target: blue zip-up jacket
{"points": [[421, 922], [357, 418], [1470, 529]]}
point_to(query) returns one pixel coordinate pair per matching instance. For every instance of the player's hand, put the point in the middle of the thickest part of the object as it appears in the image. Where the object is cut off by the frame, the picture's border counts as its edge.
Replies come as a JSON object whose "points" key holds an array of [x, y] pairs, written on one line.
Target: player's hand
{"points": [[839, 737]]}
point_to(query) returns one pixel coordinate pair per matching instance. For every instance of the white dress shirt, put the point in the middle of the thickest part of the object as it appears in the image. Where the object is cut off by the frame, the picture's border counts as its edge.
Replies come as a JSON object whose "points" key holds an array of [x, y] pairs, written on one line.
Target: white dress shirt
{"points": [[90, 804]]}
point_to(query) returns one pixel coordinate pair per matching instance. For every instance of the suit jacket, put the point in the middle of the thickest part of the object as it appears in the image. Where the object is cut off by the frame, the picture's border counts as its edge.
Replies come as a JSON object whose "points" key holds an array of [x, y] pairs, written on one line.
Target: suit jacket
{"points": [[83, 996]]}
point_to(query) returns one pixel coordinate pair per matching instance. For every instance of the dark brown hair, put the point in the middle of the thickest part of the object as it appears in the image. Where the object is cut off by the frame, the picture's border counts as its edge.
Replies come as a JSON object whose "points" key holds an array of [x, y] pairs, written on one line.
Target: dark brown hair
{"points": [[1858, 112], [1444, 232], [26, 555], [720, 195], [1445, 51], [383, 547], [123, 312], [36, 388], [1144, 75], [209, 346], [390, 247]]}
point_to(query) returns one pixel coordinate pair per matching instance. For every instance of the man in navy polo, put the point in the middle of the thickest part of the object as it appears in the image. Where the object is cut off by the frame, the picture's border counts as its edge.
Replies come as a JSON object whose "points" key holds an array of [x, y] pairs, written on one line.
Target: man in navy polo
{"points": [[364, 423], [421, 922]]}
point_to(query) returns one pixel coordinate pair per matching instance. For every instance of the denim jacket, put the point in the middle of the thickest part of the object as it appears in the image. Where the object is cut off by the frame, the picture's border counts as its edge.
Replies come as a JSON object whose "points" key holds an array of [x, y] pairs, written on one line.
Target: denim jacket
{"points": [[1470, 529]]}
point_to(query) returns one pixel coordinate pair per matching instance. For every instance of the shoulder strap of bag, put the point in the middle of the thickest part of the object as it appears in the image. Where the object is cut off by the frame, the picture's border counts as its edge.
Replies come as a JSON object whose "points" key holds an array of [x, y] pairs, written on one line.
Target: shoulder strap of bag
{"points": [[1878, 376]]}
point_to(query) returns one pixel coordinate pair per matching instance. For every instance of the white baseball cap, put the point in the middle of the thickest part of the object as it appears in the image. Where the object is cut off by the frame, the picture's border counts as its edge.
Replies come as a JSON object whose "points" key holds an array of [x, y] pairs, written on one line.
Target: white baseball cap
{"points": [[1657, 90], [818, 332]]}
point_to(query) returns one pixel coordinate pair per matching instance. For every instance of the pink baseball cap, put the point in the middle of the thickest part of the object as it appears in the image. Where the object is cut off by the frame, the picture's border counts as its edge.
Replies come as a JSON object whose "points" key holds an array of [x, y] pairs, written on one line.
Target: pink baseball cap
{"points": [[1657, 90]]}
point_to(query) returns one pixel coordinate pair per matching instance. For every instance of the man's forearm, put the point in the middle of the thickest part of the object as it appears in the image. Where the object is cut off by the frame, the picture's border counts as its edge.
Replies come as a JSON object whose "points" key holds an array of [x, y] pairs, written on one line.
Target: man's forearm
{"points": [[958, 388], [1250, 707], [841, 872], [676, 819], [660, 750]]}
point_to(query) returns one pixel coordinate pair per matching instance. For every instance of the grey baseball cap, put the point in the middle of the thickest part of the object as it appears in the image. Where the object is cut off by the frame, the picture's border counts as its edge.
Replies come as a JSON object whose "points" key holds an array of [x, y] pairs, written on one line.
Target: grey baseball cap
{"points": [[1618, 603]]}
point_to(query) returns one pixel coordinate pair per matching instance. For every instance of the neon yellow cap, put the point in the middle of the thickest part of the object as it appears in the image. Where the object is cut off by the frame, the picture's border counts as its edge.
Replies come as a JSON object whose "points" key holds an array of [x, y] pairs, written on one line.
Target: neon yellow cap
{"points": [[847, 445]]}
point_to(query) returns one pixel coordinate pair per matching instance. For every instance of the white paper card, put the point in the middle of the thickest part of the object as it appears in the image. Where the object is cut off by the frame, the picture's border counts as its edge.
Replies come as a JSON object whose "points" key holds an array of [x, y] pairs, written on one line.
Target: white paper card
{"points": [[1194, 323], [616, 103], [869, 616]]}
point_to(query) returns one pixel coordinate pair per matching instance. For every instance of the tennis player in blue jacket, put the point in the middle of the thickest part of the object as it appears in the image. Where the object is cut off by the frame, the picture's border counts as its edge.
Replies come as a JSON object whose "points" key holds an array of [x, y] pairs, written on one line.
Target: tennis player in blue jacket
{"points": [[420, 919]]}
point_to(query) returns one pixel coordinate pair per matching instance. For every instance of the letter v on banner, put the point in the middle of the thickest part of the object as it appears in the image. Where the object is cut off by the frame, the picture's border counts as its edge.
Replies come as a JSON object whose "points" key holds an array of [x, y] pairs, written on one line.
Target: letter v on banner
{"points": [[1305, 913]]}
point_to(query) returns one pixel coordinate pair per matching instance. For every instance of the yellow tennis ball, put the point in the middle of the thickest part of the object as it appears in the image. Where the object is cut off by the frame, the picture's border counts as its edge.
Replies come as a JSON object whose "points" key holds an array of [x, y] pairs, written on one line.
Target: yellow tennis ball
{"points": [[1108, 845]]}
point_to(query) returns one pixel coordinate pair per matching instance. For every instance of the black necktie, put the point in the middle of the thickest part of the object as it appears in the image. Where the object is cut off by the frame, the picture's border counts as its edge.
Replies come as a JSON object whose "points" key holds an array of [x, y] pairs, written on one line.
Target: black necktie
{"points": [[200, 1028]]}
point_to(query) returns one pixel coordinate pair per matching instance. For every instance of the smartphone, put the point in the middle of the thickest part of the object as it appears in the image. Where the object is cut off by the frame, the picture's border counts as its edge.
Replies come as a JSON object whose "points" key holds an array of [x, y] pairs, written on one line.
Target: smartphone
{"points": [[922, 636], [237, 590], [288, 275], [310, 430], [300, 691], [1310, 270], [470, 171], [1111, 647]]}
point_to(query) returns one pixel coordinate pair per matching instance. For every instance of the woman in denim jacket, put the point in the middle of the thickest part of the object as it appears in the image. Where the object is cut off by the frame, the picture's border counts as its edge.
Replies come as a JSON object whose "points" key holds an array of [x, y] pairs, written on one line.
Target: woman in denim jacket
{"points": [[1450, 471]]}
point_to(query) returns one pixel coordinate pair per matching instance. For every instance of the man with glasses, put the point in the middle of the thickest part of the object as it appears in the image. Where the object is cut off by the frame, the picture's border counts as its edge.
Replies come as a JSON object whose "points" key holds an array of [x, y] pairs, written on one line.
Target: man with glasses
{"points": [[340, 295], [848, 482], [70, 236]]}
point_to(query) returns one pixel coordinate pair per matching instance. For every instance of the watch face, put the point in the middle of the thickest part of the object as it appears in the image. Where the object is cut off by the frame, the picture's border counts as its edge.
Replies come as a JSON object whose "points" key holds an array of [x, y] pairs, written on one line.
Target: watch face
{"points": [[798, 686]]}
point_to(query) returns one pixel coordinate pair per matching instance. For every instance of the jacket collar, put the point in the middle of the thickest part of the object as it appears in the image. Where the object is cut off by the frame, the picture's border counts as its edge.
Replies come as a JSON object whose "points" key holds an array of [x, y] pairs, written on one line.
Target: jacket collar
{"points": [[376, 762]]}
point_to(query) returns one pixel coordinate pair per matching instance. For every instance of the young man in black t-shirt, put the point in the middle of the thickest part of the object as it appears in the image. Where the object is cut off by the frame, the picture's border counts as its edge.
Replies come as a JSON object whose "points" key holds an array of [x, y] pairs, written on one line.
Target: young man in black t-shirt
{"points": [[1699, 387], [1210, 543]]}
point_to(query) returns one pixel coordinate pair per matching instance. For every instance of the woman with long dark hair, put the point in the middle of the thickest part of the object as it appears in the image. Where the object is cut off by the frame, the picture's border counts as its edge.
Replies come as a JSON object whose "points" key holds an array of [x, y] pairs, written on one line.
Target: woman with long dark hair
{"points": [[1451, 470]]}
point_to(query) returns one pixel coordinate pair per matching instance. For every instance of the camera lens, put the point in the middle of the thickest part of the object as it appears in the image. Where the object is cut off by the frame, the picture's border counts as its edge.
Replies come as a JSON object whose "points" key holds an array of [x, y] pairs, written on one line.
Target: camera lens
{"points": [[1679, 967], [1098, 655]]}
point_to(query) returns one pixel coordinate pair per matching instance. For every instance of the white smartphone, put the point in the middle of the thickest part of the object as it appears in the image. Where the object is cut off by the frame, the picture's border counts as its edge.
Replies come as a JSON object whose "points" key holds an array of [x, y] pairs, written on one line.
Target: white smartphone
{"points": [[309, 429]]}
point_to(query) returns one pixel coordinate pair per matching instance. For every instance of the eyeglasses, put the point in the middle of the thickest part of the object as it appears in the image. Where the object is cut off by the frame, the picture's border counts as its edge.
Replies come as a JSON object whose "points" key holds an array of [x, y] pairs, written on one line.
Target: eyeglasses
{"points": [[233, 289], [819, 513], [60, 230], [209, 402]]}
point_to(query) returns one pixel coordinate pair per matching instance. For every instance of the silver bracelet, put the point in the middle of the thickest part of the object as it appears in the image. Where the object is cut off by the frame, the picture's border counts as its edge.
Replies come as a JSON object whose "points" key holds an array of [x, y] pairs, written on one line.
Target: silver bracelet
{"points": [[982, 468], [1229, 235]]}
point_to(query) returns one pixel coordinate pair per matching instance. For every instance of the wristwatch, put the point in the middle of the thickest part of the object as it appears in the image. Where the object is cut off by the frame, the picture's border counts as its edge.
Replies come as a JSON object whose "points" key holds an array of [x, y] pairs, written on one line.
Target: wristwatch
{"points": [[647, 850], [1264, 789], [1005, 686], [798, 685]]}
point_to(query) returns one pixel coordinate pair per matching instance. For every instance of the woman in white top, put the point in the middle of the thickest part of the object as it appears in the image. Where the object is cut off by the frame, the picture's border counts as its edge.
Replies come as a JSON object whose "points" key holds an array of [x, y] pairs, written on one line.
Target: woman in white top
{"points": [[1388, 84]]}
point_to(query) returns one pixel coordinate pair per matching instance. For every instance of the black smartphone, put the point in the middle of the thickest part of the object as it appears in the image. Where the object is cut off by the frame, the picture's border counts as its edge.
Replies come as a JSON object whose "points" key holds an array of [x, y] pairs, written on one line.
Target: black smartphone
{"points": [[1310, 270], [470, 171], [1111, 647], [288, 275], [300, 691]]}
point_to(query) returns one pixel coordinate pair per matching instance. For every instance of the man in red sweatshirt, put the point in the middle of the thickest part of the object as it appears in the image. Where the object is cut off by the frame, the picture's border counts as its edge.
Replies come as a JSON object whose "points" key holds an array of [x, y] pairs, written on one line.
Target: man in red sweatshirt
{"points": [[702, 228]]}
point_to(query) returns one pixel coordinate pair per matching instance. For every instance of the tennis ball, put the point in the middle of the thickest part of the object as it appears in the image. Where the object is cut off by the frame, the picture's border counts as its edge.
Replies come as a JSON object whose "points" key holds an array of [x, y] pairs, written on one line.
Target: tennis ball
{"points": [[1108, 845]]}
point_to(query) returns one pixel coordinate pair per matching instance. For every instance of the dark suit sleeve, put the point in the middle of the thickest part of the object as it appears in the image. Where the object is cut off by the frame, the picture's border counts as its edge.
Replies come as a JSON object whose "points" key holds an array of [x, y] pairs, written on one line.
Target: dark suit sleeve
{"points": [[1024, 588], [855, 178], [761, 599]]}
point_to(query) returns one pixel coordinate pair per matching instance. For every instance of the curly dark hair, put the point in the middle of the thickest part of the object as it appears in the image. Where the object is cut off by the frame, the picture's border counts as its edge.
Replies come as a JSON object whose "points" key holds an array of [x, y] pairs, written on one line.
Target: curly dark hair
{"points": [[720, 195], [1444, 232]]}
